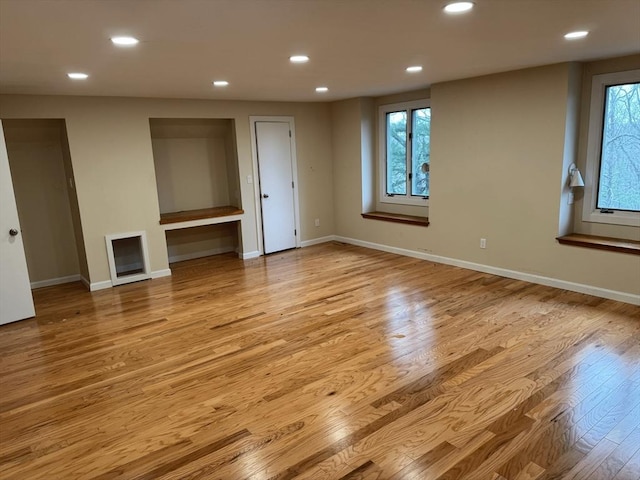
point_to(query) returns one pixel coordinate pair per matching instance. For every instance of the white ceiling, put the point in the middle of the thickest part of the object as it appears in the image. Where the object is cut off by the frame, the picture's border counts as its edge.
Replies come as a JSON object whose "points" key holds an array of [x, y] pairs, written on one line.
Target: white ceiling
{"points": [[357, 47]]}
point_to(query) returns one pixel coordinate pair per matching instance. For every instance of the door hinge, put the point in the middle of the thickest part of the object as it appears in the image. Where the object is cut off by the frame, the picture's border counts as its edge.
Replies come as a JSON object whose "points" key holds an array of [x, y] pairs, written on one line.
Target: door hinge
{"points": [[295, 233], [292, 185], [411, 136], [289, 133], [410, 176]]}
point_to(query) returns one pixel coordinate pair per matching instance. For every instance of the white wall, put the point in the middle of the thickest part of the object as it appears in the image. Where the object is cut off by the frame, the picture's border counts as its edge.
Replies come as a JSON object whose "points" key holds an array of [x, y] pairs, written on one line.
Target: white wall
{"points": [[191, 173], [111, 152], [497, 172], [73, 204], [500, 145], [192, 161]]}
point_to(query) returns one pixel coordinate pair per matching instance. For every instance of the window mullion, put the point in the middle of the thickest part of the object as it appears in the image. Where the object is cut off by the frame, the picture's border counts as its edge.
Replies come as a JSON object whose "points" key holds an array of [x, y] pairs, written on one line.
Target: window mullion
{"points": [[409, 148]]}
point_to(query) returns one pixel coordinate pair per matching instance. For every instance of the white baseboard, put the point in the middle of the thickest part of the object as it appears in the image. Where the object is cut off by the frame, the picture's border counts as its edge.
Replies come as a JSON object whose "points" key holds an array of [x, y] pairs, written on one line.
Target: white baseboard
{"points": [[502, 272], [316, 241], [100, 285], [389, 249], [303, 244], [108, 284], [161, 273], [203, 253], [55, 281], [86, 282]]}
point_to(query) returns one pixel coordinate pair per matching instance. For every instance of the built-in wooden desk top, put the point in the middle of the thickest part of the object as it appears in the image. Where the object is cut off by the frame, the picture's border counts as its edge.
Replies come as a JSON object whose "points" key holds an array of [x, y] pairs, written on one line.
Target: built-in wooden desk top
{"points": [[202, 216]]}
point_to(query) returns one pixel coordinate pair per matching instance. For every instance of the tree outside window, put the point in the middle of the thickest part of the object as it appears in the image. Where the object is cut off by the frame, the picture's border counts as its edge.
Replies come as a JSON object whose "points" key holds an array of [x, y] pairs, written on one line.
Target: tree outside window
{"points": [[619, 180]]}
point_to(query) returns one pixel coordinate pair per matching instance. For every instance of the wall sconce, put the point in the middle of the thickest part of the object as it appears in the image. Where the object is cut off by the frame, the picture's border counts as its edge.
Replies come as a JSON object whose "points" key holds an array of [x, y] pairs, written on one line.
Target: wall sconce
{"points": [[575, 178]]}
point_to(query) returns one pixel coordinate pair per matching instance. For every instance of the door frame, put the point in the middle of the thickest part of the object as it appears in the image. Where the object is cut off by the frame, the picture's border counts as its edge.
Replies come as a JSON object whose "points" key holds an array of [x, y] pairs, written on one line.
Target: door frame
{"points": [[253, 119]]}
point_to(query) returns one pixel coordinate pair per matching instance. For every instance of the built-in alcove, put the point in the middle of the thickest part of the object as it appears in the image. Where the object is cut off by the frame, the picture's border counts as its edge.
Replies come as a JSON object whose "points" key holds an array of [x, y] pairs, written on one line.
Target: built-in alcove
{"points": [[372, 142], [196, 163], [203, 241], [44, 186]]}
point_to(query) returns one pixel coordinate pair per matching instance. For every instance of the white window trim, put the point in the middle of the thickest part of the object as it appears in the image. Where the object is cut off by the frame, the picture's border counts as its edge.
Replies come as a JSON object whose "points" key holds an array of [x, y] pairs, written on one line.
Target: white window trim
{"points": [[589, 211], [382, 151]]}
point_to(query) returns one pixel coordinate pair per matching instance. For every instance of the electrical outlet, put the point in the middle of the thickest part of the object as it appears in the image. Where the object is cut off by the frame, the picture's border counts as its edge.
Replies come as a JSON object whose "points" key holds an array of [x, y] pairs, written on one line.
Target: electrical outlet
{"points": [[249, 179], [483, 243], [570, 198], [317, 222]]}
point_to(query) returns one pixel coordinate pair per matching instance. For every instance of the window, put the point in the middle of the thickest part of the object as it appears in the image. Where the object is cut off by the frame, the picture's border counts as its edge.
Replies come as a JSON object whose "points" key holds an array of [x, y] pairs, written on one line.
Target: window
{"points": [[612, 186], [404, 135]]}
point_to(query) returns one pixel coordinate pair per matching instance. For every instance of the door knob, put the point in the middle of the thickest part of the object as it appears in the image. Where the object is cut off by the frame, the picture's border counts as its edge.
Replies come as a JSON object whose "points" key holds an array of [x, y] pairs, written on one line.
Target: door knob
{"points": [[264, 195], [13, 232]]}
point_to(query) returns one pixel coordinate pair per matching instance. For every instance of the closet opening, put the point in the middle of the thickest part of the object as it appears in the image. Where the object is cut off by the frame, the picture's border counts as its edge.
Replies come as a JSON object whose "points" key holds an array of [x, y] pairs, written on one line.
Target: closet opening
{"points": [[45, 191], [198, 184]]}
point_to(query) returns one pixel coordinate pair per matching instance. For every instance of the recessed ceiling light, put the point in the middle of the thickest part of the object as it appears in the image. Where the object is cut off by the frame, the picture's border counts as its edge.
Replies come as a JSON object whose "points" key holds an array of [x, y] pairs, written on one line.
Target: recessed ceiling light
{"points": [[576, 35], [78, 76], [414, 69], [458, 7], [322, 89], [124, 41], [299, 59], [220, 83]]}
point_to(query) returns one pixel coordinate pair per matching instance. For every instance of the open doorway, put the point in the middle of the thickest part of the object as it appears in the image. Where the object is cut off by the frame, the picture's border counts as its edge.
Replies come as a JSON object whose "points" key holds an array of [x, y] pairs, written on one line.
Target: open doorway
{"points": [[44, 186]]}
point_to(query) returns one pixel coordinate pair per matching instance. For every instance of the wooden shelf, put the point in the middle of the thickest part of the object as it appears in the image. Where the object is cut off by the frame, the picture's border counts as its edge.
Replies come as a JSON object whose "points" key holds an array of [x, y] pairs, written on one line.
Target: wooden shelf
{"points": [[398, 218], [601, 243], [200, 217], [188, 215]]}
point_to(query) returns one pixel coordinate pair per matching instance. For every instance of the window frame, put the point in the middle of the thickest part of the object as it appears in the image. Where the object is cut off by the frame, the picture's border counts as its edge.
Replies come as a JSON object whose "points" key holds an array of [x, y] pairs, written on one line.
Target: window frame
{"points": [[590, 213], [383, 110]]}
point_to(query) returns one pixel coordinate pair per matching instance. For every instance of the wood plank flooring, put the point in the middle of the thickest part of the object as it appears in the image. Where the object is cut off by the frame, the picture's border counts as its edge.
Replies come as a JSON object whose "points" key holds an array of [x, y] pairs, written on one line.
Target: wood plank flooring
{"points": [[330, 362]]}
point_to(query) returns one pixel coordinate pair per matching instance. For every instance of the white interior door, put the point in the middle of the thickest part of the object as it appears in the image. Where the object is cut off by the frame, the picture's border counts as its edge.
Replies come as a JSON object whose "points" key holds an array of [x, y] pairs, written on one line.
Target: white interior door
{"points": [[16, 301], [275, 164]]}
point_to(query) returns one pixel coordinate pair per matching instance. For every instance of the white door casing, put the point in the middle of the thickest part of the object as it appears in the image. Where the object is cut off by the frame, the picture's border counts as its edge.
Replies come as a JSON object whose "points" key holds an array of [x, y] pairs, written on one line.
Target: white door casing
{"points": [[276, 190], [16, 301]]}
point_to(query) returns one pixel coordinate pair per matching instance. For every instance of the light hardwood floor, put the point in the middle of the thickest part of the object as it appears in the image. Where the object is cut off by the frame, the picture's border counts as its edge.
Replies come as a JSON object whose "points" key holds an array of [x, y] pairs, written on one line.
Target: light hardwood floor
{"points": [[328, 362]]}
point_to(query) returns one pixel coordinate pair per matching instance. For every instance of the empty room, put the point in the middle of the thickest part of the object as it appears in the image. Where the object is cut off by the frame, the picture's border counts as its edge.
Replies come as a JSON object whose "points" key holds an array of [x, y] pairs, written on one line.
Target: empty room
{"points": [[320, 239]]}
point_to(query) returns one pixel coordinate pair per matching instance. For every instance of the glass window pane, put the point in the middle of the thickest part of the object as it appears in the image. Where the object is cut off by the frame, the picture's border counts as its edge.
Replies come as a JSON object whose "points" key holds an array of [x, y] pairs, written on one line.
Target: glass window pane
{"points": [[397, 153], [420, 151], [619, 185]]}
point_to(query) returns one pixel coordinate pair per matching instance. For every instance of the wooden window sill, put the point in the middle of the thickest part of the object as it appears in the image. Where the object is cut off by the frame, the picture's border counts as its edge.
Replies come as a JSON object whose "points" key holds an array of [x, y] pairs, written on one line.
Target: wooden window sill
{"points": [[601, 243], [398, 218]]}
